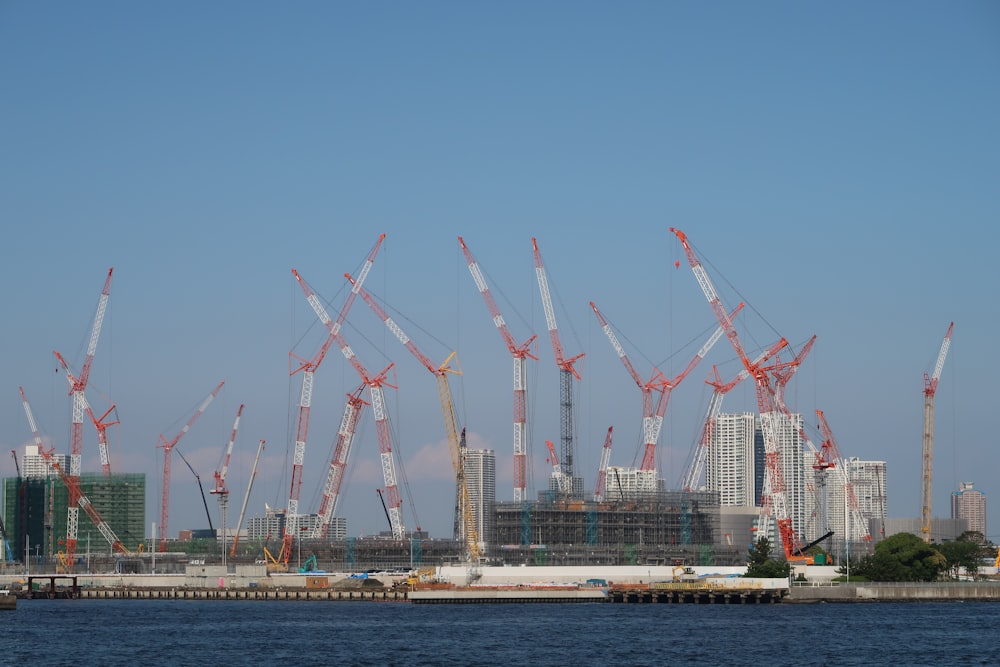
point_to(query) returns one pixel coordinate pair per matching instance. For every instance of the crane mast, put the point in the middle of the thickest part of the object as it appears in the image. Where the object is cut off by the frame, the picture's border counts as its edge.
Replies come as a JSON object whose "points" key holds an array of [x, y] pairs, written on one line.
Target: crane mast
{"points": [[79, 402], [353, 408], [246, 498], [100, 425], [774, 503], [567, 370], [930, 389], [308, 368], [168, 448], [520, 354], [602, 468], [563, 482], [468, 533]]}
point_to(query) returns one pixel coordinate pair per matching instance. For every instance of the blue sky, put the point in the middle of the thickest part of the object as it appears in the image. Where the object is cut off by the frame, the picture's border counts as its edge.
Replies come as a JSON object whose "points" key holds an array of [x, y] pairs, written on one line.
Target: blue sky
{"points": [[835, 165]]}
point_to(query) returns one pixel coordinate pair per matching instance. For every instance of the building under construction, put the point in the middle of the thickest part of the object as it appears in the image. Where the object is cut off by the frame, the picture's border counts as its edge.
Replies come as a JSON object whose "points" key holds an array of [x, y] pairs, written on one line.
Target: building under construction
{"points": [[35, 513], [658, 528]]}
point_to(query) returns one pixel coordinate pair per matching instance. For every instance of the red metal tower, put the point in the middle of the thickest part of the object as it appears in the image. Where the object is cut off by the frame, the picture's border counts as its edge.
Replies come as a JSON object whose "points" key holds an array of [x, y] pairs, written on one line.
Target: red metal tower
{"points": [[930, 389]]}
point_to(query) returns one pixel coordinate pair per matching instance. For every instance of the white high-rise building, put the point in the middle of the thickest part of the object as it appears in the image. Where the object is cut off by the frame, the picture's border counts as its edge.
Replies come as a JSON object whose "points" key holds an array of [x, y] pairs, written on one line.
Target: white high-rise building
{"points": [[730, 462], [799, 496], [33, 465], [868, 483], [481, 479], [629, 483], [969, 504]]}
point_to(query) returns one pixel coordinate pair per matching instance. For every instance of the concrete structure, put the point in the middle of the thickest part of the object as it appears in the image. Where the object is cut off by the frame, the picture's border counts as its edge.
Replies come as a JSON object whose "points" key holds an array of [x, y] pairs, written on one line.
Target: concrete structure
{"points": [[481, 479], [629, 483], [970, 505]]}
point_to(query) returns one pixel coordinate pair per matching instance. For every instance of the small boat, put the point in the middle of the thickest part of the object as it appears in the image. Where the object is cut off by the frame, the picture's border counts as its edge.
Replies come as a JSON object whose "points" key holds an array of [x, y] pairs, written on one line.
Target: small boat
{"points": [[7, 599]]}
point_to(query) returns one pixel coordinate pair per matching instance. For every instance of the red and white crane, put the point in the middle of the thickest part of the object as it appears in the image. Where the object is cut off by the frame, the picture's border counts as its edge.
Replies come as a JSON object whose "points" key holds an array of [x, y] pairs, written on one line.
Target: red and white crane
{"points": [[77, 389], [567, 371], [930, 389], [856, 525], [692, 476], [520, 353], [774, 502], [168, 447], [220, 489], [308, 368], [563, 482], [652, 421], [77, 498], [467, 533], [602, 468], [353, 409], [100, 425]]}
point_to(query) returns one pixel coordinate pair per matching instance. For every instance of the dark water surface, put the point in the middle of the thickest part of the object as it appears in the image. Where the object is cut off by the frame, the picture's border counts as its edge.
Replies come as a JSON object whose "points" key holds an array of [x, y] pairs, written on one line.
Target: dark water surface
{"points": [[213, 633]]}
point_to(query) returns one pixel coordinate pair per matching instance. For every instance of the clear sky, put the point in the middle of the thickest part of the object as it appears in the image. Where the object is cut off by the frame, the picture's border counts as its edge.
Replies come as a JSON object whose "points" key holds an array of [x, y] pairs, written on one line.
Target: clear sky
{"points": [[834, 164]]}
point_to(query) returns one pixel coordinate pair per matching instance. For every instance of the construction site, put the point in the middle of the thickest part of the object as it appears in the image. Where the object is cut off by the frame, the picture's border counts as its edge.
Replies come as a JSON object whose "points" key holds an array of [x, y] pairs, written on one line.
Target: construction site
{"points": [[794, 493]]}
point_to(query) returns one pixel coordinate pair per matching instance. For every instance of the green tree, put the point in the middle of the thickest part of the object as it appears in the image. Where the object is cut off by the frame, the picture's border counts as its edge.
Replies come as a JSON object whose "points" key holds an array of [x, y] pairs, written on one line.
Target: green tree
{"points": [[901, 557], [761, 565]]}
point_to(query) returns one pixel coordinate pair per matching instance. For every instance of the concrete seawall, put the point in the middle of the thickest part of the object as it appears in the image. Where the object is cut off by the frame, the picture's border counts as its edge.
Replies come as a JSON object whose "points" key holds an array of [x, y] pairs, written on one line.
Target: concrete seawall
{"points": [[986, 591]]}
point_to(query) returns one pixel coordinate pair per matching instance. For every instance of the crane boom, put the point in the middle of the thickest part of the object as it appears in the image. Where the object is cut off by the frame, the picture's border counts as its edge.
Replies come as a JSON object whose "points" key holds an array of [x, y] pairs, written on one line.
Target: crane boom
{"points": [[100, 425], [468, 534], [567, 370], [201, 488], [246, 498], [602, 468], [168, 447], [930, 389], [520, 354]]}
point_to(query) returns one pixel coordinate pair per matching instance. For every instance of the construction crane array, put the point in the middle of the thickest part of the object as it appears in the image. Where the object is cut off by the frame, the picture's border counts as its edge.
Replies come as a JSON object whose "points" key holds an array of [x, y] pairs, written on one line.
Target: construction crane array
{"points": [[652, 421], [308, 369], [930, 389], [774, 503], [467, 533]]}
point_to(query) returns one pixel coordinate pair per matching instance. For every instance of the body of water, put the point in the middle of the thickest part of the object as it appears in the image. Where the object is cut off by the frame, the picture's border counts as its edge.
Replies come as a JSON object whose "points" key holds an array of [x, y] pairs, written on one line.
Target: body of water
{"points": [[213, 634]]}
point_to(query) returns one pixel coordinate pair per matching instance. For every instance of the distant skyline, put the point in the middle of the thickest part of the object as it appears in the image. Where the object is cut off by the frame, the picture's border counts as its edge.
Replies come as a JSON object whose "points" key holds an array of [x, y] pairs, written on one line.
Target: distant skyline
{"points": [[833, 165]]}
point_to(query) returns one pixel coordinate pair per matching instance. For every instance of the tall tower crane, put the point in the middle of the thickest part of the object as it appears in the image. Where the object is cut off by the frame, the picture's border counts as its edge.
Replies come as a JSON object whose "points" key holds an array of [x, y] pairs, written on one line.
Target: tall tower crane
{"points": [[567, 370], [520, 353], [246, 498], [79, 402], [76, 495], [774, 482], [308, 369], [930, 388], [168, 447], [374, 384], [602, 468], [652, 422], [100, 423], [830, 454], [468, 532], [696, 465], [220, 490]]}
